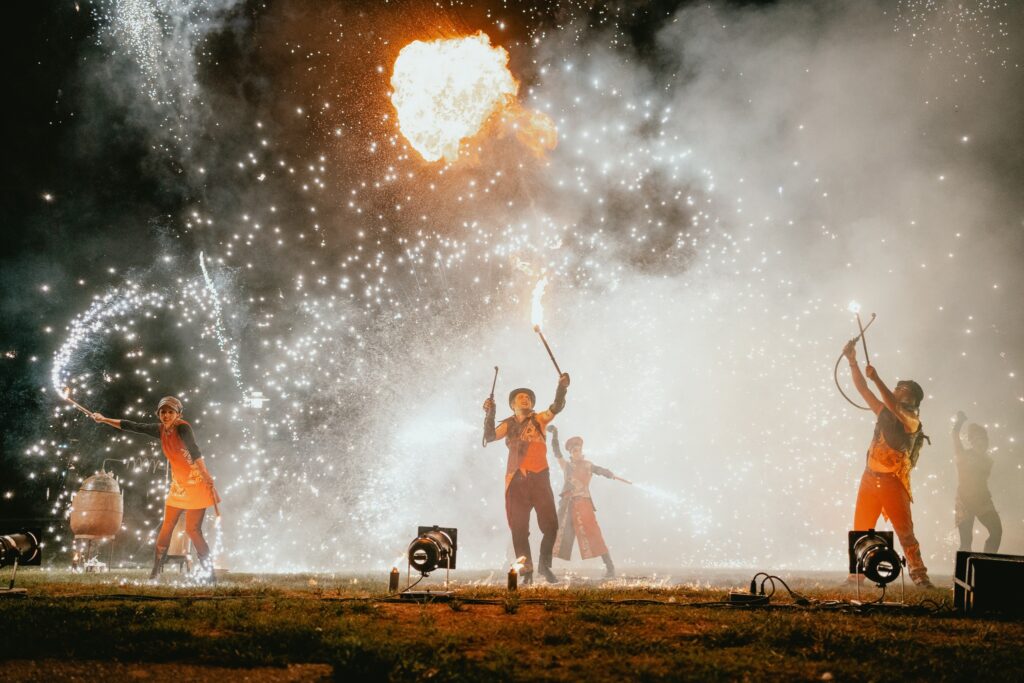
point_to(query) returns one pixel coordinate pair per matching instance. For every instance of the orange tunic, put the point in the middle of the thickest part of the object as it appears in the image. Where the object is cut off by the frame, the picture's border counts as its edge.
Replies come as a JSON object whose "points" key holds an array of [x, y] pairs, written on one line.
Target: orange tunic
{"points": [[188, 489], [527, 446]]}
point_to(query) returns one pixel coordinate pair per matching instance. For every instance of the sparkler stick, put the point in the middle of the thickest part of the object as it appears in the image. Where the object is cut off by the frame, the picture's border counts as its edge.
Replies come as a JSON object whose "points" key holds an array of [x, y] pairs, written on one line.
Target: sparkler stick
{"points": [[67, 397], [536, 328], [625, 481], [863, 337]]}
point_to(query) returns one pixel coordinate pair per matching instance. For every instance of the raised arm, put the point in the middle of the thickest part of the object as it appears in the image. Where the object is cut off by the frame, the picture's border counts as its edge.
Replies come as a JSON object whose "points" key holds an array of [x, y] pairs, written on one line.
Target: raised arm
{"points": [[850, 351], [559, 403], [958, 424], [910, 421], [146, 429], [554, 441], [492, 433]]}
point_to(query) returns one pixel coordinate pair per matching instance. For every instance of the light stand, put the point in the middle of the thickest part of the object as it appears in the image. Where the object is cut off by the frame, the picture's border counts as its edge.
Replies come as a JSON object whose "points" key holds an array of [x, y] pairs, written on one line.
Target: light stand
{"points": [[434, 547]]}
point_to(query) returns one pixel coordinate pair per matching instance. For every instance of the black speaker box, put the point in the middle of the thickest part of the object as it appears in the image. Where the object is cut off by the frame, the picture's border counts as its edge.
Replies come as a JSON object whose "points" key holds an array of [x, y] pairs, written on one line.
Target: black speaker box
{"points": [[988, 584]]}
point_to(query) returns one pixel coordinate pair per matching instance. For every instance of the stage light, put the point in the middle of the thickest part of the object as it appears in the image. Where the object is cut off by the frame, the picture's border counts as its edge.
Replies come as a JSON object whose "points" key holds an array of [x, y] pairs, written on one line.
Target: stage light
{"points": [[433, 547], [871, 554], [21, 548]]}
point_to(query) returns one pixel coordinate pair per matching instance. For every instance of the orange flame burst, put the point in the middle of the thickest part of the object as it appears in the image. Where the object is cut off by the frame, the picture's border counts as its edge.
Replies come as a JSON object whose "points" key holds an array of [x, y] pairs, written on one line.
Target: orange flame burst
{"points": [[445, 91]]}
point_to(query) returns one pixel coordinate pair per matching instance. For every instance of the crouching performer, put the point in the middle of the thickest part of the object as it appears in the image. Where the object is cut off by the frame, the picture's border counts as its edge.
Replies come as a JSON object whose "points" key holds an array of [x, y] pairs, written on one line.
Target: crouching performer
{"points": [[527, 478], [895, 446], [576, 518], [191, 489]]}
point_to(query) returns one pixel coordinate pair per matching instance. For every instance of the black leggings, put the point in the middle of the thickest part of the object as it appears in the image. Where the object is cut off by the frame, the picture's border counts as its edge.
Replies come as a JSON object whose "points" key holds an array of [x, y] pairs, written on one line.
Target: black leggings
{"points": [[990, 520]]}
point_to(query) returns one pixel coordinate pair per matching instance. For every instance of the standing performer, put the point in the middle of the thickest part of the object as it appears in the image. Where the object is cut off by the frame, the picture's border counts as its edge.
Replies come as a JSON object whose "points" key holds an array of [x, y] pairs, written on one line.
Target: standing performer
{"points": [[191, 490], [973, 499], [895, 446], [527, 478], [576, 516]]}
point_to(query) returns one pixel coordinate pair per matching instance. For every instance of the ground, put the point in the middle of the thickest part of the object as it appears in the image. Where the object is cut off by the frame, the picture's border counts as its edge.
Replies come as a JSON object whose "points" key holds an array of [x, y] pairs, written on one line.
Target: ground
{"points": [[116, 626]]}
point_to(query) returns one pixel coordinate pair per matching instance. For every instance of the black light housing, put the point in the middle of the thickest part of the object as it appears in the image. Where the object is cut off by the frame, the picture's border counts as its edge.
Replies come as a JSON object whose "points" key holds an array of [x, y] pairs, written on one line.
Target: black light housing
{"points": [[872, 554], [434, 547], [21, 548]]}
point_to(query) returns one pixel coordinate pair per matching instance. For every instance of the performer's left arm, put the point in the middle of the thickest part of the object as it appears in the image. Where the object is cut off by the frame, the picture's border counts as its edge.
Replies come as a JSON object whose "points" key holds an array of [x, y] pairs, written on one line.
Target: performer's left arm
{"points": [[910, 422], [603, 471], [554, 441], [558, 404]]}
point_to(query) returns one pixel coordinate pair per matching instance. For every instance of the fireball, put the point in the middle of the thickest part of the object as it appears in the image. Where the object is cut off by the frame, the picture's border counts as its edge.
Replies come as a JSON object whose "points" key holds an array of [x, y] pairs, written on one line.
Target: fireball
{"points": [[444, 91]]}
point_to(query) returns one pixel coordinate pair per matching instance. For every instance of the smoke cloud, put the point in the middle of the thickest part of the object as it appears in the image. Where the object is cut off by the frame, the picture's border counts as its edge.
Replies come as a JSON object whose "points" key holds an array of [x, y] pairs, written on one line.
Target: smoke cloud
{"points": [[715, 201]]}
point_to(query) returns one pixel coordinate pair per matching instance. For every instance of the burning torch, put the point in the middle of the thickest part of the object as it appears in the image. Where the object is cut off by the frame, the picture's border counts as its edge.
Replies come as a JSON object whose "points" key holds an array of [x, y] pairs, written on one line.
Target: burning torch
{"points": [[538, 318], [67, 397]]}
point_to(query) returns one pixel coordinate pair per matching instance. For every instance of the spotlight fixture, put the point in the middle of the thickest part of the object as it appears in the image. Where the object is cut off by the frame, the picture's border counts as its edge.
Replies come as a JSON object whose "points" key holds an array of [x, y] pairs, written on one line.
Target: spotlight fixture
{"points": [[433, 548], [872, 556], [21, 548]]}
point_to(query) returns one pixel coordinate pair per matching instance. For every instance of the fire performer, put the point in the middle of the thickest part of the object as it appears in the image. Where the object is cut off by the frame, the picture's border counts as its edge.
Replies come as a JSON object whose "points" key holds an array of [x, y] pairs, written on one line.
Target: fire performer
{"points": [[191, 490], [973, 499], [895, 446], [576, 509], [527, 478]]}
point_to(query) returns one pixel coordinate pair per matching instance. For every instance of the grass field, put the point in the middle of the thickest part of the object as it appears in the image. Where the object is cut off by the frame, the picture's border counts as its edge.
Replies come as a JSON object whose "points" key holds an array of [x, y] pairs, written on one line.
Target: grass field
{"points": [[312, 627]]}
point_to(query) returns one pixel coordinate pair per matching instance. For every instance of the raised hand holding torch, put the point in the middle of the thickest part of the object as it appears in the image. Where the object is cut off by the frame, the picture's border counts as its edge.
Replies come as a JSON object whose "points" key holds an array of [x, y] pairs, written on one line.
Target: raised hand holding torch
{"points": [[489, 404]]}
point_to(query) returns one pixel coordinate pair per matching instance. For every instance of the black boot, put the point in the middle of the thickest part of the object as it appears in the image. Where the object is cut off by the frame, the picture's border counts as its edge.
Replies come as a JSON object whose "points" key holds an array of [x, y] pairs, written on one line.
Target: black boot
{"points": [[545, 564], [205, 572], [609, 572], [158, 563]]}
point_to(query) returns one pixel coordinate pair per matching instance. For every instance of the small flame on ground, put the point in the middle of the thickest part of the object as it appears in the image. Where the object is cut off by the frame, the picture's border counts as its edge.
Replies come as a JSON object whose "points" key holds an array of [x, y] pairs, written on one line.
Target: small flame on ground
{"points": [[519, 563], [537, 314]]}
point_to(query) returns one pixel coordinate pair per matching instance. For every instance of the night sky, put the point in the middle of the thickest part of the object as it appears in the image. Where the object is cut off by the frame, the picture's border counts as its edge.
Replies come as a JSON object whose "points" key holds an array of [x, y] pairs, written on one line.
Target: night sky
{"points": [[223, 189]]}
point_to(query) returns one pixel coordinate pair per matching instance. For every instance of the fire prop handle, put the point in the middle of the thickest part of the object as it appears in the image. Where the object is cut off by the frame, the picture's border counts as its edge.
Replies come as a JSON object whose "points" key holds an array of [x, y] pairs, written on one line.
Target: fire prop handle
{"points": [[835, 370], [494, 383], [536, 328], [863, 337], [67, 397]]}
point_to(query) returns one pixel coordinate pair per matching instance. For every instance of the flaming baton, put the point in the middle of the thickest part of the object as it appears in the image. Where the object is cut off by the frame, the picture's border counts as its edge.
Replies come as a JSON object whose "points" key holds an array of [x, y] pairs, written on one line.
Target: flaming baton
{"points": [[538, 318]]}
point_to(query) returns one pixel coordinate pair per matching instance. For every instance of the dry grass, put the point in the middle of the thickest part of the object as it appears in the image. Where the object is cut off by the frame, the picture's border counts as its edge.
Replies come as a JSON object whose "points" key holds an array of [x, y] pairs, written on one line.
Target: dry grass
{"points": [[625, 631]]}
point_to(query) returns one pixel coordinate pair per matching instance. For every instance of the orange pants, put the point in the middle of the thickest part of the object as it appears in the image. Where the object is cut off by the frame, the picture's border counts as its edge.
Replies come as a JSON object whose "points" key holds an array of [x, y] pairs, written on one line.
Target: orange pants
{"points": [[880, 493]]}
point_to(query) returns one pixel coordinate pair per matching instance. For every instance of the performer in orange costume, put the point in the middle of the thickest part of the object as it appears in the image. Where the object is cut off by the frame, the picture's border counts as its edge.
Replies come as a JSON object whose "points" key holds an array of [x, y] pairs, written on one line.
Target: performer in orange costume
{"points": [[576, 518], [191, 490], [527, 477], [885, 484]]}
